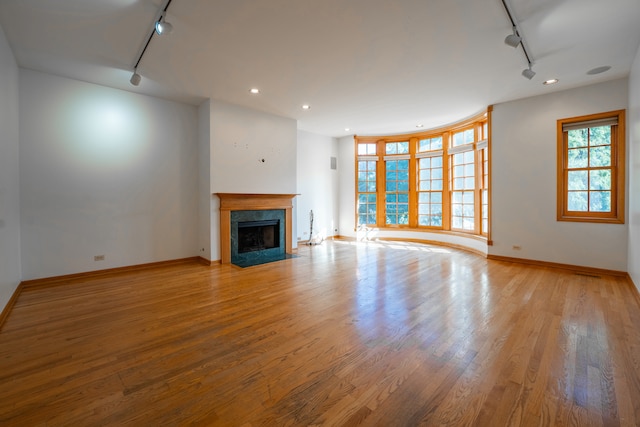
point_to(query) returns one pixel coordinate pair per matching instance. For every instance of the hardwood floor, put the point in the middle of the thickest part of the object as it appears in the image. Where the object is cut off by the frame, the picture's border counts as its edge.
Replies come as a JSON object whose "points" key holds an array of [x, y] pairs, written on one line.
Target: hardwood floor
{"points": [[388, 334]]}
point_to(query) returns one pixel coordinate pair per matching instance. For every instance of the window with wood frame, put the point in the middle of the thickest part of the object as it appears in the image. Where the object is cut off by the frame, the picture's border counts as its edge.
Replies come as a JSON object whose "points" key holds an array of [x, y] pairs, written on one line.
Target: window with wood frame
{"points": [[433, 180], [591, 168]]}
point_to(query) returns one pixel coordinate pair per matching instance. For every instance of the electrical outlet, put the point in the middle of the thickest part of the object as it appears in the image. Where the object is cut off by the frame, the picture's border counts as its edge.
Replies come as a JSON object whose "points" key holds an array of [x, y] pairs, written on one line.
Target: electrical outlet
{"points": [[98, 258]]}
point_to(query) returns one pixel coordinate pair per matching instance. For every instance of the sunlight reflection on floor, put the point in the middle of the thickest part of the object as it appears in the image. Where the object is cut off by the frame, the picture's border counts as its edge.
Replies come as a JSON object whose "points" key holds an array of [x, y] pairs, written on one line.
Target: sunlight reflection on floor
{"points": [[406, 246]]}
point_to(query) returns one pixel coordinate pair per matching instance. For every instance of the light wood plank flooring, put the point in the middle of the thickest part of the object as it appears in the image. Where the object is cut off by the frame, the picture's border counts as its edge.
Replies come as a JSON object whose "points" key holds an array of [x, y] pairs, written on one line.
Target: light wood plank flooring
{"points": [[387, 334]]}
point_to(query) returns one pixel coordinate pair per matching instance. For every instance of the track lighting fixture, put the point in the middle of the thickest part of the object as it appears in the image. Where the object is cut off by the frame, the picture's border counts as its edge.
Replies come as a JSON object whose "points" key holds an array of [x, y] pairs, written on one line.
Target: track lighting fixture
{"points": [[163, 27], [528, 72], [160, 27], [135, 78], [514, 39]]}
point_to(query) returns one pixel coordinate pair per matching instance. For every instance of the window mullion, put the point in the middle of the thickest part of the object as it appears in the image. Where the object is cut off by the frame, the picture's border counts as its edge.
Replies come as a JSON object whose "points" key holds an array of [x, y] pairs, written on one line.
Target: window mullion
{"points": [[447, 186], [413, 188]]}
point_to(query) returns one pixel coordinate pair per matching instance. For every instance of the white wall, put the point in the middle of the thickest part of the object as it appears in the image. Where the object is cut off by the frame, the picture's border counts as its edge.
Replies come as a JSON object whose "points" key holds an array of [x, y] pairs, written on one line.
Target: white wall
{"points": [[251, 152], [524, 181], [10, 271], [204, 181], [633, 154], [103, 172], [347, 186], [317, 185]]}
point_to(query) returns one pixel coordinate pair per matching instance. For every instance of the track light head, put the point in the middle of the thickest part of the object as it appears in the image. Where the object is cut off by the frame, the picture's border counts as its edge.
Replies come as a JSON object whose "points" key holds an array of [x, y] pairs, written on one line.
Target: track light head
{"points": [[514, 39], [135, 78], [528, 72], [163, 27]]}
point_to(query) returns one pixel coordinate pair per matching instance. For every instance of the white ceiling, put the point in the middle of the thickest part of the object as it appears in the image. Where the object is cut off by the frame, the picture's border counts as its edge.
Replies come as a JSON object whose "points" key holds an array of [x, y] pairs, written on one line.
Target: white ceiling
{"points": [[374, 66]]}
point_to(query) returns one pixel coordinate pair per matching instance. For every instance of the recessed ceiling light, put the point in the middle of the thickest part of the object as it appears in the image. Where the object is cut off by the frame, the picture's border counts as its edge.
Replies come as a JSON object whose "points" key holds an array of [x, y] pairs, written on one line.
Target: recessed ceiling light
{"points": [[419, 126], [306, 107], [254, 90], [550, 82], [347, 129], [599, 70]]}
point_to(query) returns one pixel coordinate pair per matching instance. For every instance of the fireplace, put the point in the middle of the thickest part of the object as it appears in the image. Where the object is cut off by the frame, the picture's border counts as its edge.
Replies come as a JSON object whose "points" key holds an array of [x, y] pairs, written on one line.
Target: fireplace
{"points": [[258, 235], [255, 228]]}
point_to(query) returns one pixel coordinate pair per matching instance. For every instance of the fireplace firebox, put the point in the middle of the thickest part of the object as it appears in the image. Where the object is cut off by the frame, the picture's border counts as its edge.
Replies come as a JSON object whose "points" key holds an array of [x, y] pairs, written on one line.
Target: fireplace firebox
{"points": [[258, 235]]}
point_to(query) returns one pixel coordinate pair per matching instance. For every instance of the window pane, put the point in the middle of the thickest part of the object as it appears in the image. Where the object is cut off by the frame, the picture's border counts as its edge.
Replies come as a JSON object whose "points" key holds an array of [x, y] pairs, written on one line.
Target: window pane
{"points": [[578, 158], [578, 180], [577, 201], [600, 135], [467, 197], [469, 136], [436, 197], [600, 201], [578, 138], [458, 139], [403, 147], [599, 180], [469, 183], [469, 157], [371, 186], [436, 185], [600, 156], [436, 162], [425, 185], [456, 222]]}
